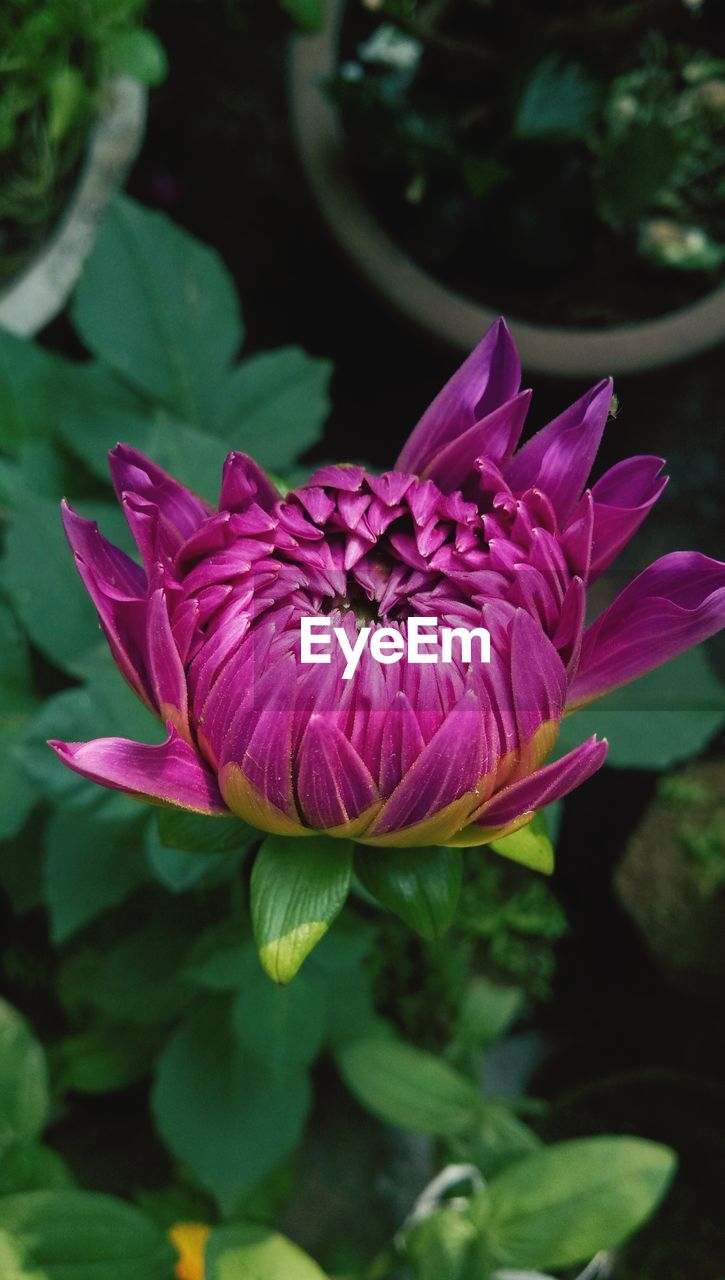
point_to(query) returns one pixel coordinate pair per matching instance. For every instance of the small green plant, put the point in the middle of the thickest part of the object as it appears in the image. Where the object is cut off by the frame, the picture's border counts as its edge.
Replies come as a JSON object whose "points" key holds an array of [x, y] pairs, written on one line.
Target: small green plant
{"points": [[55, 58]]}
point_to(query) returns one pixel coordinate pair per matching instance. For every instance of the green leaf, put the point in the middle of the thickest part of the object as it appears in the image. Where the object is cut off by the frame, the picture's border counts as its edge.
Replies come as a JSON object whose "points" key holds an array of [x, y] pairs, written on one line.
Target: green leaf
{"points": [[408, 1087], [139, 54], [96, 410], [77, 1235], [634, 170], [177, 869], [306, 13], [18, 704], [282, 1026], [196, 833], [28, 400], [246, 1251], [439, 1247], [487, 1011], [560, 100], [149, 961], [30, 1166], [665, 717], [219, 1109], [530, 846], [298, 887], [274, 406], [562, 1204], [174, 326], [421, 885], [23, 1078], [191, 456], [106, 1057], [500, 1137], [90, 866]]}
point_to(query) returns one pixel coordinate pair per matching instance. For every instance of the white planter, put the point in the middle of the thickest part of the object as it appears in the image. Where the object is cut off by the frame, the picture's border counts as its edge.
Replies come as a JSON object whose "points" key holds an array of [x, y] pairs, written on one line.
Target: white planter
{"points": [[451, 318], [34, 297]]}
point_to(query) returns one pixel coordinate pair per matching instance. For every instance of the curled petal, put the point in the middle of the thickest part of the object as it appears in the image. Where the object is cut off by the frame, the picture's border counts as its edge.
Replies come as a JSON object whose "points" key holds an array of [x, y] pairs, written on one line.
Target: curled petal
{"points": [[169, 773], [487, 379], [494, 437], [243, 482], [544, 786], [117, 587], [558, 458], [676, 603], [180, 511], [623, 498]]}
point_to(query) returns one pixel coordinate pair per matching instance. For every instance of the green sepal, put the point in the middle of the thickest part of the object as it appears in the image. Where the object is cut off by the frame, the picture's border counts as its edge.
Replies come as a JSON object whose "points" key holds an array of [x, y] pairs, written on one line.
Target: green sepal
{"points": [[298, 887], [420, 885]]}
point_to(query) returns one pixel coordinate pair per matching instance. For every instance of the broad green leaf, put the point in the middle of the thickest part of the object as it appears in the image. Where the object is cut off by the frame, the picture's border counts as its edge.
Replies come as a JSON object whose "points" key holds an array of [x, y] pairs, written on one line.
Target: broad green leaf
{"points": [[28, 400], [23, 1079], [141, 979], [195, 458], [562, 1204], [657, 721], [29, 1166], [282, 1026], [274, 406], [530, 846], [298, 887], [439, 1247], [422, 885], [78, 1235], [96, 410], [560, 100], [174, 326], [42, 582], [500, 1137], [219, 1109], [407, 1087], [247, 1251], [90, 866], [103, 706], [177, 869], [18, 704], [199, 834], [307, 13], [487, 1010], [106, 1057]]}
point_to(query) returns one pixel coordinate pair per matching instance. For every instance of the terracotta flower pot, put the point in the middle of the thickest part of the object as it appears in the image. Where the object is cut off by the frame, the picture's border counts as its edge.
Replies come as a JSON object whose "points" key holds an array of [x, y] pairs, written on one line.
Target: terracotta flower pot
{"points": [[41, 289], [443, 313]]}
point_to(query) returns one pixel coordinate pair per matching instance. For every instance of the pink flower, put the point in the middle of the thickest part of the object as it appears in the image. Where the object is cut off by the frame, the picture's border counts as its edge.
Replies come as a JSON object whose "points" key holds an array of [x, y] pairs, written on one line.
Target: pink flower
{"points": [[466, 530]]}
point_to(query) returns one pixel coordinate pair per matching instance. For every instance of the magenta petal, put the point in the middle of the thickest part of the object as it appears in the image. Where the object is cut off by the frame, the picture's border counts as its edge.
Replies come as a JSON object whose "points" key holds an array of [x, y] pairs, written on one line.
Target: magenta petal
{"points": [[545, 785], [494, 437], [623, 498], [259, 740], [170, 773], [401, 745], [133, 474], [558, 458], [117, 587], [243, 482], [489, 377], [166, 670], [451, 765], [674, 604], [333, 784], [538, 678]]}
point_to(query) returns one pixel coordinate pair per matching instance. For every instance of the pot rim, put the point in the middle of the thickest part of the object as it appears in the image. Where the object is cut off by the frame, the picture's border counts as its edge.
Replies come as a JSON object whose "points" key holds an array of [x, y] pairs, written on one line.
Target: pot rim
{"points": [[32, 298], [431, 306]]}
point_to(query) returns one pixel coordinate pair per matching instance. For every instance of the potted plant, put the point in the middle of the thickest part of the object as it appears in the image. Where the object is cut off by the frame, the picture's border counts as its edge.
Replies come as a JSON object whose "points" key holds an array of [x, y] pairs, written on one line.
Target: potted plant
{"points": [[72, 113], [558, 165]]}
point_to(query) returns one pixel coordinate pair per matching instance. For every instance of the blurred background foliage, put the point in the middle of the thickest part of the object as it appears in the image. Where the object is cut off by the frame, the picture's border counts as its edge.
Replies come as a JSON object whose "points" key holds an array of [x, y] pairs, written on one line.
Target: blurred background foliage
{"points": [[165, 1079]]}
